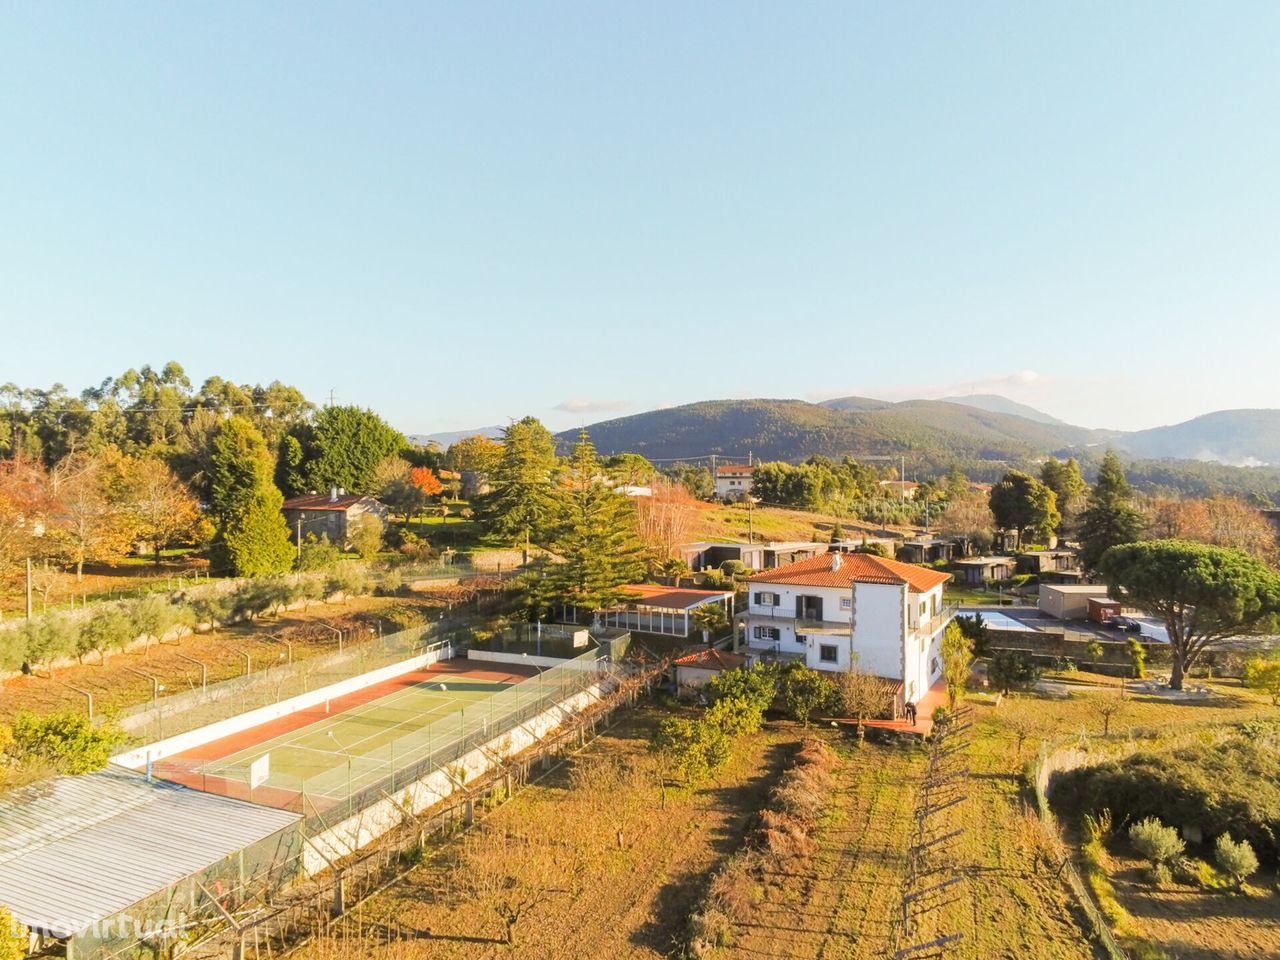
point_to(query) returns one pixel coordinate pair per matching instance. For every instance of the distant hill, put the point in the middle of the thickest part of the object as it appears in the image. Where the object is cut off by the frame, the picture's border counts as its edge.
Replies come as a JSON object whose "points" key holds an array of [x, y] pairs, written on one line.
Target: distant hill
{"points": [[931, 432], [998, 404], [1246, 438], [450, 437], [934, 435]]}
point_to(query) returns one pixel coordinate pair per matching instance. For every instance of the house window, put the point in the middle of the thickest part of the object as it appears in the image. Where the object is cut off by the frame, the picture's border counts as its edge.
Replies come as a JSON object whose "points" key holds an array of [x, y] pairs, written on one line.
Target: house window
{"points": [[766, 599], [934, 667], [768, 633], [828, 653], [846, 603]]}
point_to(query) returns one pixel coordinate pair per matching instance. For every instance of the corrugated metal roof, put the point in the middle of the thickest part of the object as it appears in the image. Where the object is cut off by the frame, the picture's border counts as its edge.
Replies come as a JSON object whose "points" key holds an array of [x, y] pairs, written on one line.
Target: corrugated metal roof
{"points": [[74, 850]]}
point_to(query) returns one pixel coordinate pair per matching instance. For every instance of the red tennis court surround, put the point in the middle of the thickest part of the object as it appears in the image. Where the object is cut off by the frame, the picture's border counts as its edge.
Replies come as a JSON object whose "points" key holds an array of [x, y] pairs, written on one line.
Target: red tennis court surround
{"points": [[186, 767]]}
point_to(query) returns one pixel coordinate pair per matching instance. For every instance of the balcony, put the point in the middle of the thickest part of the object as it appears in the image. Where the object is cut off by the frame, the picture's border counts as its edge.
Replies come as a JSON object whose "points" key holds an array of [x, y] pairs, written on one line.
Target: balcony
{"points": [[932, 625]]}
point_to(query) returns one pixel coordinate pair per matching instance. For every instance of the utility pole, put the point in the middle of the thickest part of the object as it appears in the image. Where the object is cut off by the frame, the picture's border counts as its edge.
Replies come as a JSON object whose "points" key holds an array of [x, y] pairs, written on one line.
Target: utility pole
{"points": [[299, 538], [28, 588]]}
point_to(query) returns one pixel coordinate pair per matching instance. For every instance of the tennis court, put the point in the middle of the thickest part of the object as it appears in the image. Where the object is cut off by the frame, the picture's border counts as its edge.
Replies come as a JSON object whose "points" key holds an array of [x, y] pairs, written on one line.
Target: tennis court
{"points": [[328, 753]]}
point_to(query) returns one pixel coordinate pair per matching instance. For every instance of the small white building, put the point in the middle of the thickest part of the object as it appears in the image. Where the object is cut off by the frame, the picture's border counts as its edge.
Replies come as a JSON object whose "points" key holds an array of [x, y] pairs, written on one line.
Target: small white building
{"points": [[699, 668], [733, 481], [828, 608]]}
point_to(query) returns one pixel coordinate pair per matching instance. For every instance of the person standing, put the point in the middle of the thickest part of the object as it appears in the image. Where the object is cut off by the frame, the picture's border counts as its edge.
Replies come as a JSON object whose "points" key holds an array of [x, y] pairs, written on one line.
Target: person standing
{"points": [[910, 710]]}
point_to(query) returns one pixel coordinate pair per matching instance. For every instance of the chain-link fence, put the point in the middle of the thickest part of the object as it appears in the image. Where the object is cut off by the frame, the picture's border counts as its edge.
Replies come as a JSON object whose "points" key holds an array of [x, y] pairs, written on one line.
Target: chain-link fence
{"points": [[189, 710]]}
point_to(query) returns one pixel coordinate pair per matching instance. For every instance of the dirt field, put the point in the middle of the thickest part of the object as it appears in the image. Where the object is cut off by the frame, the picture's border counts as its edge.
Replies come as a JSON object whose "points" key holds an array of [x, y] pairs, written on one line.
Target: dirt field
{"points": [[115, 687], [1203, 924], [603, 869], [726, 521]]}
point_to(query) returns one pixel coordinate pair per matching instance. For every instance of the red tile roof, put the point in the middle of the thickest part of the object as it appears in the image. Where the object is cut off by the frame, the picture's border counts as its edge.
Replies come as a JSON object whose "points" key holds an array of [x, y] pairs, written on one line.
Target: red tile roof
{"points": [[735, 470], [712, 659], [321, 501], [845, 569], [670, 598]]}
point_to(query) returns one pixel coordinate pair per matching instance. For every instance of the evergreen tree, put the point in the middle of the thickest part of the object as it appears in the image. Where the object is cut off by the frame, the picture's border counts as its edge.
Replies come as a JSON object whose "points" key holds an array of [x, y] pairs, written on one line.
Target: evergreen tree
{"points": [[289, 463], [1021, 502], [596, 537], [251, 538], [348, 445], [1110, 518], [522, 504], [240, 465], [258, 545], [1064, 479]]}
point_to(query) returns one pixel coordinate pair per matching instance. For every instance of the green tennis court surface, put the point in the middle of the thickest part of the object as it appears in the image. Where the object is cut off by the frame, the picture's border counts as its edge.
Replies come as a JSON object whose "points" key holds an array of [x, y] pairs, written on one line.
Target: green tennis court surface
{"points": [[345, 752]]}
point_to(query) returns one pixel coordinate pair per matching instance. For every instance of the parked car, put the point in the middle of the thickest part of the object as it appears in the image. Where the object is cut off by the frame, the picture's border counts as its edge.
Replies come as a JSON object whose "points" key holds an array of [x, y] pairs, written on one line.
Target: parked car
{"points": [[1127, 624]]}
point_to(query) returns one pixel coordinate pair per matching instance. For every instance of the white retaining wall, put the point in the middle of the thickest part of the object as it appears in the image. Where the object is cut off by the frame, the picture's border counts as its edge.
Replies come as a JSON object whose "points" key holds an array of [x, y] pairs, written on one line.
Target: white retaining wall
{"points": [[137, 759], [501, 656], [345, 838]]}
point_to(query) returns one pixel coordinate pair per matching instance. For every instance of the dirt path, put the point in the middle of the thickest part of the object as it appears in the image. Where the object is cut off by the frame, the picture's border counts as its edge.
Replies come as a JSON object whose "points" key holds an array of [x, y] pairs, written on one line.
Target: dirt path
{"points": [[620, 874]]}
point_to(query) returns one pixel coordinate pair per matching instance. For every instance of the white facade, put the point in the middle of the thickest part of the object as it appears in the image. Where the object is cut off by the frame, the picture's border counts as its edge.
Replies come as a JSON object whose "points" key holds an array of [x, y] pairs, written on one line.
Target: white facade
{"points": [[895, 631], [733, 483]]}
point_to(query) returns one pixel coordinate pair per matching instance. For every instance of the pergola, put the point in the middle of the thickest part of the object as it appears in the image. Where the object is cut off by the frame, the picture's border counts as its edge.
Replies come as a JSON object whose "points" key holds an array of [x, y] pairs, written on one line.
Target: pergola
{"points": [[651, 608]]}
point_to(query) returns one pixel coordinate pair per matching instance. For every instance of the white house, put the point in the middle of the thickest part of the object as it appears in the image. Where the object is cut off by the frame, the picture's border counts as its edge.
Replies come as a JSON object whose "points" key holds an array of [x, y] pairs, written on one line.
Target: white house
{"points": [[733, 481], [826, 608]]}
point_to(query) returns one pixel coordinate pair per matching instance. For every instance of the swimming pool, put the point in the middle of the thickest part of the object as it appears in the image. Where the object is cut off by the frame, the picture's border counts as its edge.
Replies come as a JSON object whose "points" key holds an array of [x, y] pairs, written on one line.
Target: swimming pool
{"points": [[998, 621]]}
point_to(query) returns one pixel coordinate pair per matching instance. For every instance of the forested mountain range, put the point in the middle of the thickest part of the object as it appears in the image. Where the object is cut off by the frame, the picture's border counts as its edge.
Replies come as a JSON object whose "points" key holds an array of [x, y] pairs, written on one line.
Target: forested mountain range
{"points": [[1198, 456]]}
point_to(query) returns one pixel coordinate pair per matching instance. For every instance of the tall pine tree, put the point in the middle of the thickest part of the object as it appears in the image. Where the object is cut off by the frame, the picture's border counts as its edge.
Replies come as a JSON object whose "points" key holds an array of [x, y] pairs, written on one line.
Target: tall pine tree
{"points": [[596, 537], [1110, 518], [522, 503]]}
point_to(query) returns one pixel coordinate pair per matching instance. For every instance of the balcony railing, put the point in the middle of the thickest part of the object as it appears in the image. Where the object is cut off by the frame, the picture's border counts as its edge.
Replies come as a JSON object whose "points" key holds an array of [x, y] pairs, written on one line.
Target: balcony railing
{"points": [[935, 623]]}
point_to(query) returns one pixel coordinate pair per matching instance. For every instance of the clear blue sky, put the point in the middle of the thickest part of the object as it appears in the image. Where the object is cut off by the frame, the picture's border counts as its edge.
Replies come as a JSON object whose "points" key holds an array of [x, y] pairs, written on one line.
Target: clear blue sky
{"points": [[461, 214]]}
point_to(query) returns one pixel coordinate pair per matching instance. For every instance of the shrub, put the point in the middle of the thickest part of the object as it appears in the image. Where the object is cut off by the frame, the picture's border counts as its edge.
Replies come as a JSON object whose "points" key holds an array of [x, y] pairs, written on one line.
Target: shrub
{"points": [[735, 715], [1012, 670], [1230, 786], [758, 685], [733, 568], [348, 579], [804, 691], [152, 616], [14, 936], [108, 629], [68, 741], [365, 533], [318, 554], [1235, 858], [694, 748], [709, 929], [1155, 842], [1264, 675], [392, 581], [1137, 657], [734, 889]]}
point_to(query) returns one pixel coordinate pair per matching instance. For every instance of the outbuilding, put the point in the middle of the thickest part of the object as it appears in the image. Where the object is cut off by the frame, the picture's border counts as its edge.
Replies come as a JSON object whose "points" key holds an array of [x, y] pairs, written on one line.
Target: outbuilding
{"points": [[1069, 601]]}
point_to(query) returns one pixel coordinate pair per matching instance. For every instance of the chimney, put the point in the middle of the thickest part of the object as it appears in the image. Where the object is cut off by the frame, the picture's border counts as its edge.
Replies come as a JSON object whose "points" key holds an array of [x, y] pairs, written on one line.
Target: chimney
{"points": [[342, 491], [333, 494], [835, 562]]}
